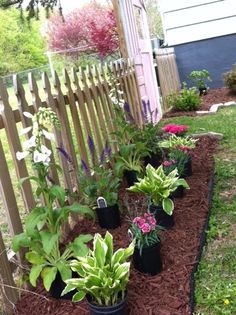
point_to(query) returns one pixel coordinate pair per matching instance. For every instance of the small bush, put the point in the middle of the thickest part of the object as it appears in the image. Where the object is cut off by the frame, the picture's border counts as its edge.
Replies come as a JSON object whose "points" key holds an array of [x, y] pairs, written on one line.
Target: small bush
{"points": [[185, 100], [230, 79]]}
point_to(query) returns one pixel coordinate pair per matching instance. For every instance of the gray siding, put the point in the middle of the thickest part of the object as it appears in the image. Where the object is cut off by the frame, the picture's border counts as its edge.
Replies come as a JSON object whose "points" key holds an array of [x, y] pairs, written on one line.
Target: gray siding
{"points": [[215, 55]]}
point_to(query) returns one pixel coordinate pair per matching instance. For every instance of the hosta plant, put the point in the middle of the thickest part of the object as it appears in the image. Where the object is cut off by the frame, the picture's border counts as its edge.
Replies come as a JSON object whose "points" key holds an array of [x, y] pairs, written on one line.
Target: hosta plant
{"points": [[42, 231], [200, 78], [175, 142], [103, 274], [158, 186]]}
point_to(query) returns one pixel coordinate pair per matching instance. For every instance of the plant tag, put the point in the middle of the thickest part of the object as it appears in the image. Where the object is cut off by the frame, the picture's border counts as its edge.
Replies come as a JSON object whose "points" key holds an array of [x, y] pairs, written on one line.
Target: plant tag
{"points": [[101, 202]]}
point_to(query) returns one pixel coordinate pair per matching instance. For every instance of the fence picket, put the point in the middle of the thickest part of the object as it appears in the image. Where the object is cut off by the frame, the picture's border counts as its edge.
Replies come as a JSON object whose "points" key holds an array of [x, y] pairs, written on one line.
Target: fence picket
{"points": [[37, 104], [75, 117], [7, 285], [59, 140], [15, 146]]}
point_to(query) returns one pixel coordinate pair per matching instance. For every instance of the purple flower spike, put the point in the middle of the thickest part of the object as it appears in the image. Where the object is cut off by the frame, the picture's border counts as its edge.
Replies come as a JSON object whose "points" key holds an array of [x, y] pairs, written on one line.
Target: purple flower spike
{"points": [[65, 155], [85, 167], [102, 157], [107, 150], [91, 145], [144, 108], [127, 108], [149, 107]]}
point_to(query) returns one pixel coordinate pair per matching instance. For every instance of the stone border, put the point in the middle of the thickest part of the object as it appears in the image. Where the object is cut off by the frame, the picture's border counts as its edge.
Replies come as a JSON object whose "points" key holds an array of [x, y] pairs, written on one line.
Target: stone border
{"points": [[214, 108]]}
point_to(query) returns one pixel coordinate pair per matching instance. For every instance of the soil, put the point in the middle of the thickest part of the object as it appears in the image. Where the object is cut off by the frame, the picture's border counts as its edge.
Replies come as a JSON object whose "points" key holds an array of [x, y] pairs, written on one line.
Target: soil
{"points": [[167, 293], [214, 96]]}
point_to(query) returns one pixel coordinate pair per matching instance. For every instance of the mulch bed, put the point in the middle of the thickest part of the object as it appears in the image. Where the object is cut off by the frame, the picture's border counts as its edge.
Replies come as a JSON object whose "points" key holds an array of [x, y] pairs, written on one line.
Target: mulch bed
{"points": [[169, 292], [214, 96]]}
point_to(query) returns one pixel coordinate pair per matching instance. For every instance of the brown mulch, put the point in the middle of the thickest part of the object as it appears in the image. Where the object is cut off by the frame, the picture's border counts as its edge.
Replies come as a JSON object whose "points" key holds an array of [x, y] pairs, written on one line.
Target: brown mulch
{"points": [[167, 293], [214, 96]]}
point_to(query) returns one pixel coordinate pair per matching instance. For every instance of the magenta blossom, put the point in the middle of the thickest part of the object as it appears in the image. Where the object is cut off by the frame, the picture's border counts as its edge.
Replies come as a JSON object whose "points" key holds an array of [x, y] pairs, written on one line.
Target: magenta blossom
{"points": [[175, 129], [146, 228], [169, 163]]}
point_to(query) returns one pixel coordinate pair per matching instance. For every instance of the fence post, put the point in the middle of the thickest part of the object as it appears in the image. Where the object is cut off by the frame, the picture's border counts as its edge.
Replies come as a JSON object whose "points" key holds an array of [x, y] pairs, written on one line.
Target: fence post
{"points": [[7, 286]]}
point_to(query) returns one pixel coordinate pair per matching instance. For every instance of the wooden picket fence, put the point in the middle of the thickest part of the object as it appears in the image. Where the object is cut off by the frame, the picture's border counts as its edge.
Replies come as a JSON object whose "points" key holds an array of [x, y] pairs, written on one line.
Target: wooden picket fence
{"points": [[84, 109], [168, 74]]}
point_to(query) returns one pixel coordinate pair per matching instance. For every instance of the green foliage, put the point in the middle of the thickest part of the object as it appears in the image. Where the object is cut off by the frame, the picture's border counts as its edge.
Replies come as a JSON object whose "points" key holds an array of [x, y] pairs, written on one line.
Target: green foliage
{"points": [[174, 142], [21, 46], [103, 274], [101, 182], [158, 186], [200, 78], [185, 100], [154, 18], [230, 79]]}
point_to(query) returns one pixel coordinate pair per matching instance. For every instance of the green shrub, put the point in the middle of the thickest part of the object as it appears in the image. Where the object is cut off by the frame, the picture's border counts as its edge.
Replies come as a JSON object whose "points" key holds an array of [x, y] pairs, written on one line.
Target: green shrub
{"points": [[185, 100], [230, 79]]}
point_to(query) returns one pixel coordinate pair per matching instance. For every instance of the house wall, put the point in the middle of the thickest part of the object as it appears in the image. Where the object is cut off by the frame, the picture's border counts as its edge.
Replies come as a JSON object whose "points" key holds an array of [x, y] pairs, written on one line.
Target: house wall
{"points": [[193, 20], [215, 55]]}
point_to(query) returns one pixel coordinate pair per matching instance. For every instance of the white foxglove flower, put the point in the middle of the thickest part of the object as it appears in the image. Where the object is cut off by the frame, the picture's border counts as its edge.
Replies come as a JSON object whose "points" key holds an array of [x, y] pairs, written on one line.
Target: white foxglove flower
{"points": [[40, 157], [31, 143], [28, 115], [114, 100], [25, 130], [45, 150], [48, 135], [21, 155], [120, 92]]}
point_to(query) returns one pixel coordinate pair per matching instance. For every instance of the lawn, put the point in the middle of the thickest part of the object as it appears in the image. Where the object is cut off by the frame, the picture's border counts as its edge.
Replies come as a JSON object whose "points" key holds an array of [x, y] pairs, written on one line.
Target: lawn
{"points": [[215, 292]]}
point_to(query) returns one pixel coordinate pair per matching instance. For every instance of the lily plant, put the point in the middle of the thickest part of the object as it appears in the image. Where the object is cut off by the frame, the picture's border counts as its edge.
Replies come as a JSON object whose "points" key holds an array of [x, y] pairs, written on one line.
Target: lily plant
{"points": [[43, 224]]}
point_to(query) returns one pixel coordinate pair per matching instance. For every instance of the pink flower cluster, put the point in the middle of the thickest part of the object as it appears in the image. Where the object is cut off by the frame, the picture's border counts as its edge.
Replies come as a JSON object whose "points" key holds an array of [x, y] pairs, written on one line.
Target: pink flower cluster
{"points": [[167, 163], [145, 223], [175, 129]]}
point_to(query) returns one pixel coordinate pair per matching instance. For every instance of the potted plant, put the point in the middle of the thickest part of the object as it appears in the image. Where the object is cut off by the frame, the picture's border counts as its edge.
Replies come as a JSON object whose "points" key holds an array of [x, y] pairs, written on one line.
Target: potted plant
{"points": [[43, 224], [145, 231], [177, 159], [185, 146], [103, 276], [129, 161], [158, 187], [199, 79], [99, 187]]}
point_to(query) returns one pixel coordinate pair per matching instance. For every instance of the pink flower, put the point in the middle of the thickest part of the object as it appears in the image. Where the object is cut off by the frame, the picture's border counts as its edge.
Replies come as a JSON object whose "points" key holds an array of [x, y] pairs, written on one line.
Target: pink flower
{"points": [[166, 163], [136, 220], [146, 228], [152, 221], [175, 129]]}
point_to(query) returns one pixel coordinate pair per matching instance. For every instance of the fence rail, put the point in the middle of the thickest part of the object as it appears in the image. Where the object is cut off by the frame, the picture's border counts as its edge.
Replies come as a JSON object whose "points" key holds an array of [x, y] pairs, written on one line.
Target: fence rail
{"points": [[82, 103], [168, 73]]}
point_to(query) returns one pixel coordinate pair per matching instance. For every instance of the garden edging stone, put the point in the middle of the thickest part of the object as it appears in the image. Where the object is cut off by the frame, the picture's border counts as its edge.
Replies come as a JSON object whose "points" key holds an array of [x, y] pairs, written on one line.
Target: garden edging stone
{"points": [[215, 107]]}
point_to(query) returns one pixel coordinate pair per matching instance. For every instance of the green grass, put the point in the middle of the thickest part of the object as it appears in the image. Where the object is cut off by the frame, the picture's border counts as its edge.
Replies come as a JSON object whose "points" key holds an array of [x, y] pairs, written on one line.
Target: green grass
{"points": [[215, 292]]}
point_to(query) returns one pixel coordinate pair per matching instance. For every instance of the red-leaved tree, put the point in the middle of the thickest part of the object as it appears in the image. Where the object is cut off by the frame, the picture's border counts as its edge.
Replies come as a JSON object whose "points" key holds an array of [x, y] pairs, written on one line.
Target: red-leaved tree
{"points": [[93, 28]]}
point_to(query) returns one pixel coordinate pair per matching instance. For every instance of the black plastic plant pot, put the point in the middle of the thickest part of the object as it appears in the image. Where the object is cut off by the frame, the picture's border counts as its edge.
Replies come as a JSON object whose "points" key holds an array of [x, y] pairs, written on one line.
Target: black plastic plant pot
{"points": [[131, 177], [109, 217], [59, 285], [163, 219], [149, 261], [178, 193], [153, 159], [203, 90], [188, 168], [117, 309]]}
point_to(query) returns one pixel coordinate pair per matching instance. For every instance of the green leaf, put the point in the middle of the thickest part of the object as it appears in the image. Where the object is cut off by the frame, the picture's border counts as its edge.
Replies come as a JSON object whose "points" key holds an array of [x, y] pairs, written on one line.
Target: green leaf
{"points": [[168, 205], [122, 271], [182, 182], [81, 209], [20, 240], [109, 241], [35, 258], [78, 296], [68, 288], [34, 274], [36, 215], [58, 193], [48, 274], [64, 270], [48, 240], [100, 250], [78, 245]]}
